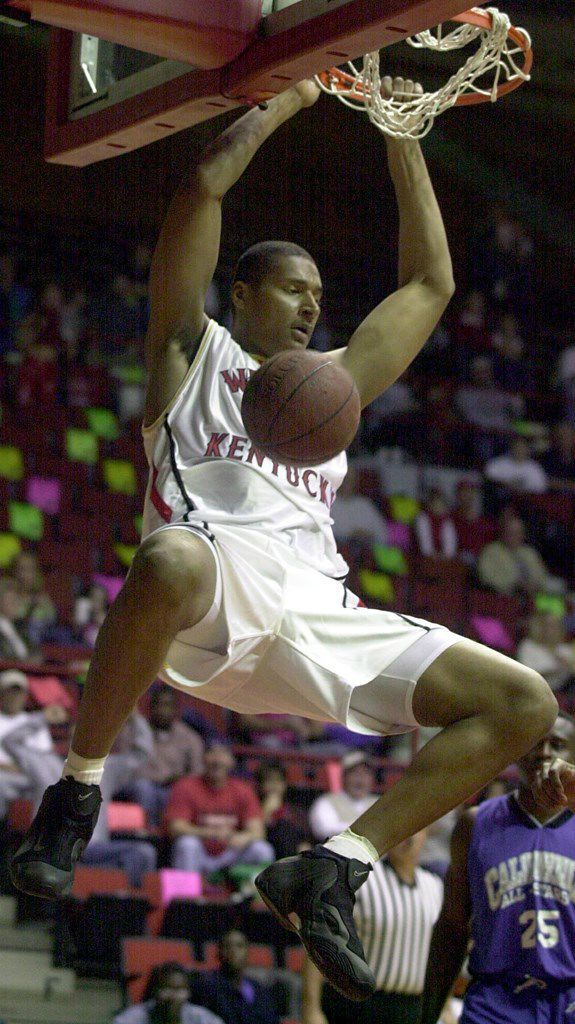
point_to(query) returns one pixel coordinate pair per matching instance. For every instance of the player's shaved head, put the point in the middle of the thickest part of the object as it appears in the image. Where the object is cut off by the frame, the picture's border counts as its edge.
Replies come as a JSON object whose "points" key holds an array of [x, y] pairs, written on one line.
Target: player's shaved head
{"points": [[260, 259]]}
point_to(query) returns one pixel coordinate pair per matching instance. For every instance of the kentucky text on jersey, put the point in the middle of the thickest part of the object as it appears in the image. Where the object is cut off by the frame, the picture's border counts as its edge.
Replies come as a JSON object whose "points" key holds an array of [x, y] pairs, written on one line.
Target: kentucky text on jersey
{"points": [[234, 446], [544, 873], [204, 467]]}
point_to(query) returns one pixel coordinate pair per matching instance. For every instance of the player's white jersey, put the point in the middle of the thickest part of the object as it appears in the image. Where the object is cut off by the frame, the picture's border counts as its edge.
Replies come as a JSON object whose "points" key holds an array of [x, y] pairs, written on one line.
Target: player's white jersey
{"points": [[204, 469]]}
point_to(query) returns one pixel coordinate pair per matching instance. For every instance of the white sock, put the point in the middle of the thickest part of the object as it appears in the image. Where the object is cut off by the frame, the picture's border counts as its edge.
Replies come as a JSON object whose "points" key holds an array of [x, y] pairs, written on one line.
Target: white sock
{"points": [[83, 769], [348, 844]]}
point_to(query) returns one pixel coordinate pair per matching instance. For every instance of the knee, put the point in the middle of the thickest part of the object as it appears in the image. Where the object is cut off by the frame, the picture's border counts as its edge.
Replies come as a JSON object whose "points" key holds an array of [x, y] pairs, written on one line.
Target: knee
{"points": [[163, 564], [530, 706]]}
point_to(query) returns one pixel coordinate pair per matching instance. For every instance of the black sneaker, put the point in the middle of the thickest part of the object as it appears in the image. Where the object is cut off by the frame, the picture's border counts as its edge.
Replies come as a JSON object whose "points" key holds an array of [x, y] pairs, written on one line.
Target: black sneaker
{"points": [[43, 864], [313, 894]]}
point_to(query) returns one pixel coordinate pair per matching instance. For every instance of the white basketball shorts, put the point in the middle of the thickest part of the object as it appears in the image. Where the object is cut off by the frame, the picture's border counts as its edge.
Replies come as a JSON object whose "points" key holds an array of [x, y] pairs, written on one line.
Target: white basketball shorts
{"points": [[283, 638]]}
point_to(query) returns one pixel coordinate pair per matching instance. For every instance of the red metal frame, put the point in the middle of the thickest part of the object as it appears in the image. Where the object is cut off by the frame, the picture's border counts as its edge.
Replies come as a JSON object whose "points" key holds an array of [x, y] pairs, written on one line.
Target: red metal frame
{"points": [[288, 46]]}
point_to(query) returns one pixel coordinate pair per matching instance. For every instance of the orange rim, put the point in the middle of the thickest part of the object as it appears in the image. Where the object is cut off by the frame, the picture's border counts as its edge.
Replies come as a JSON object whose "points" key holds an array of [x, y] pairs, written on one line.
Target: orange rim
{"points": [[342, 80]]}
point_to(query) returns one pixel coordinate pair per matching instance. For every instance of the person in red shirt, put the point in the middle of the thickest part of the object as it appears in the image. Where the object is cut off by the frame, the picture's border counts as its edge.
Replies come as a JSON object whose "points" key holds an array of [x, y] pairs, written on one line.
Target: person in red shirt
{"points": [[473, 529], [216, 820]]}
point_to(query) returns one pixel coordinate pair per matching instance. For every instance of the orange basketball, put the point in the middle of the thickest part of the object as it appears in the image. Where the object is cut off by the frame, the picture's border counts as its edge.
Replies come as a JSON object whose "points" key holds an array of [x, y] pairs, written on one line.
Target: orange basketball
{"points": [[301, 408]]}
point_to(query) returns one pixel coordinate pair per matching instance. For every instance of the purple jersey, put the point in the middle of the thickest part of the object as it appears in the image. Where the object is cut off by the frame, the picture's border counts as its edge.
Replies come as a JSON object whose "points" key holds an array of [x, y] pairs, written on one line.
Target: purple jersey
{"points": [[522, 889]]}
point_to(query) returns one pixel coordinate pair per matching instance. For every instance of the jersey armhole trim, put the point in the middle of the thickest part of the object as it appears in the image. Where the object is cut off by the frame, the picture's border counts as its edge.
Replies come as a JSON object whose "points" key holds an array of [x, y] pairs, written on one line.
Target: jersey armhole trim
{"points": [[149, 427]]}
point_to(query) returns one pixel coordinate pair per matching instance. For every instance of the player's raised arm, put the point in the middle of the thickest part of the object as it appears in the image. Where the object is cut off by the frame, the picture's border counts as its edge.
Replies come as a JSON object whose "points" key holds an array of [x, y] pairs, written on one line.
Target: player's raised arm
{"points": [[394, 332], [451, 932], [187, 250]]}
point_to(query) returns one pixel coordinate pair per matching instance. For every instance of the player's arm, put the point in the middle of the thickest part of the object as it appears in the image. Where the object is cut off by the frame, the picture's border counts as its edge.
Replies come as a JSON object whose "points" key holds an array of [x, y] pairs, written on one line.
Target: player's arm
{"points": [[394, 332], [187, 250], [451, 932]]}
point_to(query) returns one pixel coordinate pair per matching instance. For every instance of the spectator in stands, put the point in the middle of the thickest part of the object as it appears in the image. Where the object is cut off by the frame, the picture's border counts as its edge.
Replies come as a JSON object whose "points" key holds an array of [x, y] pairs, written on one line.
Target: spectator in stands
{"points": [[275, 731], [442, 443], [15, 302], [229, 992], [15, 644], [434, 528], [284, 823], [114, 315], [487, 409], [564, 379], [471, 331], [38, 373], [547, 649], [38, 612], [511, 566], [395, 913], [330, 813], [503, 261], [559, 459], [473, 529], [392, 418], [89, 614], [177, 750], [167, 1000], [355, 515], [512, 372], [215, 820], [516, 470], [73, 320], [130, 751], [28, 761]]}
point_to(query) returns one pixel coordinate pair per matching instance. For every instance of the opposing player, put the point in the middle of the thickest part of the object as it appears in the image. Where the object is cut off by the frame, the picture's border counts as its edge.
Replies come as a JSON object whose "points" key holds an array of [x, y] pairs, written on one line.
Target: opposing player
{"points": [[512, 883], [237, 593]]}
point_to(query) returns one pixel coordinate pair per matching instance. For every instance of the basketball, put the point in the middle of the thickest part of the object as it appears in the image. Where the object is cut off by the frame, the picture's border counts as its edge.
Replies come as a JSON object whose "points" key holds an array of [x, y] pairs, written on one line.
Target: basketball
{"points": [[301, 408]]}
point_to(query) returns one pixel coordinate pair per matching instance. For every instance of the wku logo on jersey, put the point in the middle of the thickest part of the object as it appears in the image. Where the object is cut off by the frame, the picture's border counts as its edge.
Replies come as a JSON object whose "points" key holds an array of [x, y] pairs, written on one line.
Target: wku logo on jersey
{"points": [[236, 380]]}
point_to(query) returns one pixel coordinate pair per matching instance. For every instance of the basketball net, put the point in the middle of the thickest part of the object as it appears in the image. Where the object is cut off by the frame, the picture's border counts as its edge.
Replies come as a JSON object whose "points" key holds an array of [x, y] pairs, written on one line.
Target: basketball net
{"points": [[499, 46]]}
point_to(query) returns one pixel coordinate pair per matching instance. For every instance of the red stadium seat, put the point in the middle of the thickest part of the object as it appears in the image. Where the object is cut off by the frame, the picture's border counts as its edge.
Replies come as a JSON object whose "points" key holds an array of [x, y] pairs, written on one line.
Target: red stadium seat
{"points": [[140, 954], [59, 585], [439, 602], [93, 880], [19, 816], [126, 817], [510, 610], [294, 958]]}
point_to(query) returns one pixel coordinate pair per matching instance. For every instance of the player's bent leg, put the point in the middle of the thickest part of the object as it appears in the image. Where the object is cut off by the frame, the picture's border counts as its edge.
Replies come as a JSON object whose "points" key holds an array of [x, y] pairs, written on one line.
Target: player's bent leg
{"points": [[170, 587], [492, 711]]}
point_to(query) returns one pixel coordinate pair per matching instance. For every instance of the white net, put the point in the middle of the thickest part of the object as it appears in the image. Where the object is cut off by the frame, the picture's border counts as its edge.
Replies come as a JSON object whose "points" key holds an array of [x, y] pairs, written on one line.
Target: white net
{"points": [[497, 53]]}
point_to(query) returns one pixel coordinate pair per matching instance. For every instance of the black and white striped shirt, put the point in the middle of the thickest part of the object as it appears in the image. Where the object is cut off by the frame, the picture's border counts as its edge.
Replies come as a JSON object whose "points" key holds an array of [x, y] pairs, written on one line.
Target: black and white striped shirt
{"points": [[394, 922]]}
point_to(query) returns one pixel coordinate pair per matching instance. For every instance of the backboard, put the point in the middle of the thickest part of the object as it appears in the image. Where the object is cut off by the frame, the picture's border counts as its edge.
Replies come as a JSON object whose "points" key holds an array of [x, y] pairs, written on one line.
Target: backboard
{"points": [[106, 95]]}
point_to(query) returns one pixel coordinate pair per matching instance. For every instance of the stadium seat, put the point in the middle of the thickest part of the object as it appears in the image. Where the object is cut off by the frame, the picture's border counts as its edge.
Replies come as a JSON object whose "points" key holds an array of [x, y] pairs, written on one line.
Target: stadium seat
{"points": [[140, 954], [10, 546], [126, 817], [82, 446], [492, 632], [45, 493], [294, 958], [89, 881], [510, 610], [438, 602], [11, 462], [25, 520], [19, 815]]}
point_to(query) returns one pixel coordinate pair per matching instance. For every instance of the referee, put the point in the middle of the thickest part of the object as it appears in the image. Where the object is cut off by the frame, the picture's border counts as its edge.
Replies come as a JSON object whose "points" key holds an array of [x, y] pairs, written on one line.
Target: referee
{"points": [[395, 912]]}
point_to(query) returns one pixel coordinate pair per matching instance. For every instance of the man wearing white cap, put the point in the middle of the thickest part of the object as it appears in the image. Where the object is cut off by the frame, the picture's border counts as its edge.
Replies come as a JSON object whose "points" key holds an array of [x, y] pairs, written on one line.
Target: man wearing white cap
{"points": [[28, 762], [332, 812]]}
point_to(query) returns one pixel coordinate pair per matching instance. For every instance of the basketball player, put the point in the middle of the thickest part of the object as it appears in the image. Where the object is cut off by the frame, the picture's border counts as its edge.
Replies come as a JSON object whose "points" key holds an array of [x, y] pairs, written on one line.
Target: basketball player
{"points": [[512, 882], [237, 593]]}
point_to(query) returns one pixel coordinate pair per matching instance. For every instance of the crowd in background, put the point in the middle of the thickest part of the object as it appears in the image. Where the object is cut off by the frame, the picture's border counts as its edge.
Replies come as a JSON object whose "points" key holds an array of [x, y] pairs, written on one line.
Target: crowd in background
{"points": [[473, 439]]}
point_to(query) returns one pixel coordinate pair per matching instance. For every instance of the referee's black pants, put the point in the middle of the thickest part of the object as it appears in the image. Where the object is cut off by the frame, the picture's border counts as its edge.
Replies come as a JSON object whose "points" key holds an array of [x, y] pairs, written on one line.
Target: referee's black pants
{"points": [[380, 1008]]}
